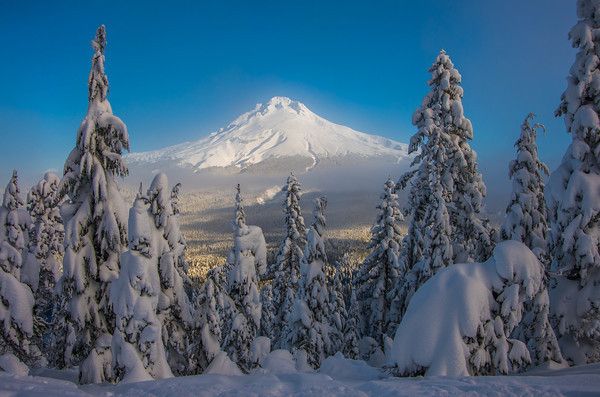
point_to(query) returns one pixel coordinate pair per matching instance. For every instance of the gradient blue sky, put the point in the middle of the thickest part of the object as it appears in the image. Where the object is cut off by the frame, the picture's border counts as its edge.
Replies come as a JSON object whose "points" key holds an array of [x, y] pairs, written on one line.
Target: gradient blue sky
{"points": [[179, 70]]}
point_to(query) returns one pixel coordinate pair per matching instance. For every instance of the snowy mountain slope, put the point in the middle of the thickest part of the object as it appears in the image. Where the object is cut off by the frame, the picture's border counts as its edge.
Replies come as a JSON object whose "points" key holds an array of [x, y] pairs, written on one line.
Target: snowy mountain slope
{"points": [[281, 128]]}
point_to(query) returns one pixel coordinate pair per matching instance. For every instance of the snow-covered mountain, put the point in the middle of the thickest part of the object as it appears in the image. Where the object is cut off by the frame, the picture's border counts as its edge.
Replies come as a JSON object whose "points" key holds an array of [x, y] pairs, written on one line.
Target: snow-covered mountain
{"points": [[280, 129]]}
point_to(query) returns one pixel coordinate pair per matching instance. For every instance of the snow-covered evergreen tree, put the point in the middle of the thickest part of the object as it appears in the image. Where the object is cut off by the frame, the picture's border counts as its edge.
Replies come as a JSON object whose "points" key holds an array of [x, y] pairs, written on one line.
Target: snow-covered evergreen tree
{"points": [[436, 248], [137, 344], [268, 311], [351, 329], [210, 321], [378, 274], [45, 251], [336, 313], [165, 207], [308, 325], [536, 330], [473, 236], [245, 261], [526, 222], [95, 226], [572, 195], [345, 270], [239, 223], [174, 308], [287, 267], [526, 213], [445, 203], [16, 298]]}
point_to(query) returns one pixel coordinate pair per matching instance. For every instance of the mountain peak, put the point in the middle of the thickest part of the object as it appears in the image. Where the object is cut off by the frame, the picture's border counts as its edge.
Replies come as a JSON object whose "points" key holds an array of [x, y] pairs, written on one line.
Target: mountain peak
{"points": [[281, 101], [284, 103], [280, 128], [277, 107]]}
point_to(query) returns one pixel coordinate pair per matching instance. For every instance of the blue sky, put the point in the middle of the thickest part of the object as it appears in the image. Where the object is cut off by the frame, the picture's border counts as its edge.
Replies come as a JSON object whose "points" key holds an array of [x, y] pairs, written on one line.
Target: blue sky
{"points": [[179, 70]]}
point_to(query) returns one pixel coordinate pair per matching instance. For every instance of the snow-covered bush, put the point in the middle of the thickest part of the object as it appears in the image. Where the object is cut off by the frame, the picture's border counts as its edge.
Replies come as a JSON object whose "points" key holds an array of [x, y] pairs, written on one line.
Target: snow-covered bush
{"points": [[378, 274], [45, 251], [573, 194], [247, 259], [16, 299], [11, 364], [340, 367], [286, 278], [371, 351], [97, 367], [460, 321], [279, 362], [261, 347], [222, 365], [95, 219], [137, 345]]}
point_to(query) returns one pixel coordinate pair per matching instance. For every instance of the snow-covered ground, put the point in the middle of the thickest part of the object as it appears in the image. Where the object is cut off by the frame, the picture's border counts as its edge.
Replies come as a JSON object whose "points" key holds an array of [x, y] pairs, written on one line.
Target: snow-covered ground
{"points": [[337, 377]]}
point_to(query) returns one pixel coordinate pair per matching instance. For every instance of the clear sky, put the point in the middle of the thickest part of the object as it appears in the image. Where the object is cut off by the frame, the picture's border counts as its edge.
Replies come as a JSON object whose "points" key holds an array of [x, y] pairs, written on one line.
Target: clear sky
{"points": [[179, 70]]}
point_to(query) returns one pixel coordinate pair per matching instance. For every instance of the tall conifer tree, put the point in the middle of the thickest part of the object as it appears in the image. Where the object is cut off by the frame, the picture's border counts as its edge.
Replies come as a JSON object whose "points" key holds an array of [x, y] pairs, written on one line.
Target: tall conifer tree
{"points": [[573, 199], [95, 220]]}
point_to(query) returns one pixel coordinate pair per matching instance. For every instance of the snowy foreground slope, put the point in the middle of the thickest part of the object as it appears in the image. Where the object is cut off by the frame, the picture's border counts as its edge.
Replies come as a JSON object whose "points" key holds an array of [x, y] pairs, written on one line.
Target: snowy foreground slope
{"points": [[337, 377], [280, 129]]}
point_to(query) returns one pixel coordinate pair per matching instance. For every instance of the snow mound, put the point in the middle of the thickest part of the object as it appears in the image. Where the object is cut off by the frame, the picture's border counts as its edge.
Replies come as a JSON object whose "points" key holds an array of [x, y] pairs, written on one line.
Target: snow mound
{"points": [[280, 128], [127, 357], [465, 305], [11, 364], [222, 365], [260, 349], [341, 368], [279, 362], [370, 351]]}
